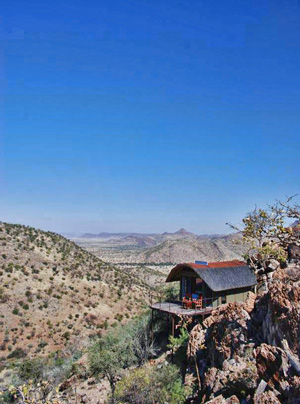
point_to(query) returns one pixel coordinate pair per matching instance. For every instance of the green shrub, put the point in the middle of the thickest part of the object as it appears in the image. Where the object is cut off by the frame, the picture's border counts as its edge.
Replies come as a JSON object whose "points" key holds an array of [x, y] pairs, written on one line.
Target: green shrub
{"points": [[121, 348], [119, 317], [17, 353], [31, 369], [66, 335], [42, 344], [152, 385]]}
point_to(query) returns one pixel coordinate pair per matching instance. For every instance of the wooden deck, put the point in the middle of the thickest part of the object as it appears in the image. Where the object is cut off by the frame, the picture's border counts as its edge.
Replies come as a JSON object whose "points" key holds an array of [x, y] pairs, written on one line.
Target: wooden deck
{"points": [[177, 309]]}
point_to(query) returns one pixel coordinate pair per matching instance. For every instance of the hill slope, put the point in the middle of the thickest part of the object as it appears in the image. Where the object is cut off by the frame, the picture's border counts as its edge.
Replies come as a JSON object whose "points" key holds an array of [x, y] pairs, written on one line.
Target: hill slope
{"points": [[181, 246], [53, 291], [188, 250]]}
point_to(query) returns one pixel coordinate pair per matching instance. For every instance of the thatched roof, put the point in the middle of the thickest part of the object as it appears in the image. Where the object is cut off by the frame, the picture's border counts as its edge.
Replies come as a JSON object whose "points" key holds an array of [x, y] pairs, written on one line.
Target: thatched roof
{"points": [[218, 275]]}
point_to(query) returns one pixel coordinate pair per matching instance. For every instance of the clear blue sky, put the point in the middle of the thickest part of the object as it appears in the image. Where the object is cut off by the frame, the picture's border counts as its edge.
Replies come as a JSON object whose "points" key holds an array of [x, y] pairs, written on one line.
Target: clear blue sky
{"points": [[147, 115]]}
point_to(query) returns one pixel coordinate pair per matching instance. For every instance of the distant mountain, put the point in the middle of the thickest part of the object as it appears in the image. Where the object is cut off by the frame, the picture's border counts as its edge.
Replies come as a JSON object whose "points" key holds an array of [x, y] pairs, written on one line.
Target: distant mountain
{"points": [[141, 241], [183, 232], [175, 247], [179, 234], [155, 236], [220, 248]]}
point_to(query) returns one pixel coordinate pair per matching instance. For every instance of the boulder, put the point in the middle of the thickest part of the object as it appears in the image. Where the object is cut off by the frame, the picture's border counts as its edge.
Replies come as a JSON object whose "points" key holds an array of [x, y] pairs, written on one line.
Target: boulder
{"points": [[268, 397], [196, 340], [222, 400], [294, 253], [227, 333], [272, 265], [272, 366], [242, 377]]}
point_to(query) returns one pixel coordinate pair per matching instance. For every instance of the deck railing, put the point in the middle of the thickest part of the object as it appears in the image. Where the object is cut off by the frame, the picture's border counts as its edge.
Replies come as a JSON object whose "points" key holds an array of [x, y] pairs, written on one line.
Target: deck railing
{"points": [[162, 304]]}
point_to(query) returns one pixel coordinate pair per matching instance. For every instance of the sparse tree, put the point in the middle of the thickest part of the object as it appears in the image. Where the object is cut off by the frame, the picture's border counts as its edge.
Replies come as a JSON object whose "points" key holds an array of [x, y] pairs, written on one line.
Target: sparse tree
{"points": [[121, 348], [266, 233], [152, 385], [106, 360]]}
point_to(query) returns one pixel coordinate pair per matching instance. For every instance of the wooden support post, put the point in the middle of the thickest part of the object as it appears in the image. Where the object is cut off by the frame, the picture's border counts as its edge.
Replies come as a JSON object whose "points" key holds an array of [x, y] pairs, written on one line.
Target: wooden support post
{"points": [[198, 375], [173, 334], [152, 326], [168, 323], [173, 326]]}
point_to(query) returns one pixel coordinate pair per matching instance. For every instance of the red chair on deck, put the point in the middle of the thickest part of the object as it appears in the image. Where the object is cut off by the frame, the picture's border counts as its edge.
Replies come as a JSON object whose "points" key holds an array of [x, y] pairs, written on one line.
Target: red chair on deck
{"points": [[187, 302], [198, 303]]}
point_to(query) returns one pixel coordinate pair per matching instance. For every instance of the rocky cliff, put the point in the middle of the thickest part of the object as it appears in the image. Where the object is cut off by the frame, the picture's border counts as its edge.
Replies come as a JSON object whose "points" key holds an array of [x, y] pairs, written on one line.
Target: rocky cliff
{"points": [[249, 352]]}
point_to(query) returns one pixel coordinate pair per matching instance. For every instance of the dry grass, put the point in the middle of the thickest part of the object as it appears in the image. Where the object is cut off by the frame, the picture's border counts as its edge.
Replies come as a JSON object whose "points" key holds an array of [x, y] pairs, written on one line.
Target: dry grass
{"points": [[54, 294]]}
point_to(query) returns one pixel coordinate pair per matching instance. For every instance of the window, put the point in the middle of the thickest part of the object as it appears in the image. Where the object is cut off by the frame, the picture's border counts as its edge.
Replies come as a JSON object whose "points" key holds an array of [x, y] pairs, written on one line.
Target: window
{"points": [[187, 285], [223, 299], [183, 286], [198, 288]]}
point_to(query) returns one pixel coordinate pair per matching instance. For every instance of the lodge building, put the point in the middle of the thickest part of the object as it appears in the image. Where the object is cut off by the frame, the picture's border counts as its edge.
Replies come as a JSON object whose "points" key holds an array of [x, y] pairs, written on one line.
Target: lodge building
{"points": [[205, 286]]}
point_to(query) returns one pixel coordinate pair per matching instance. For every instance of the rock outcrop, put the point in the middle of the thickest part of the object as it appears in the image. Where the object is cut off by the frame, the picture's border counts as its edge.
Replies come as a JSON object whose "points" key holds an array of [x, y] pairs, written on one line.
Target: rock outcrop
{"points": [[249, 352]]}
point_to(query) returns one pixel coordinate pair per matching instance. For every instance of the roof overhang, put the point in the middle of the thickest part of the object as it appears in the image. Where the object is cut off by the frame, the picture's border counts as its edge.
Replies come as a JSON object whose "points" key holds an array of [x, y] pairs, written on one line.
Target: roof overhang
{"points": [[219, 276], [176, 272]]}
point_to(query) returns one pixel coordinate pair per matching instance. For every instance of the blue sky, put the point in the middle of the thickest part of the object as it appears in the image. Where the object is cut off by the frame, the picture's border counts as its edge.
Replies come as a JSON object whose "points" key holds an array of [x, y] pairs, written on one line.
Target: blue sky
{"points": [[147, 115]]}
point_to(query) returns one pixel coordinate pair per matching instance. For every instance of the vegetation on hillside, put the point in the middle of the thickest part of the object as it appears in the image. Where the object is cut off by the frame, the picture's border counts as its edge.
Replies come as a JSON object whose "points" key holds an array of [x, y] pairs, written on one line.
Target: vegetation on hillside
{"points": [[54, 294], [121, 356]]}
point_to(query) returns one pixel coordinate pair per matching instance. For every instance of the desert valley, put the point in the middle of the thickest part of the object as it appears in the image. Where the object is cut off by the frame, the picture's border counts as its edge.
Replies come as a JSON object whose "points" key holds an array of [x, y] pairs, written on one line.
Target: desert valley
{"points": [[154, 255], [75, 316]]}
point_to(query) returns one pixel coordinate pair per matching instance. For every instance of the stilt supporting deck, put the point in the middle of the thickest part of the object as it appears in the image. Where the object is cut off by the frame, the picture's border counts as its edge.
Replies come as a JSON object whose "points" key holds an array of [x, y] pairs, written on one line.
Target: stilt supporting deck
{"points": [[173, 325], [168, 323], [152, 326]]}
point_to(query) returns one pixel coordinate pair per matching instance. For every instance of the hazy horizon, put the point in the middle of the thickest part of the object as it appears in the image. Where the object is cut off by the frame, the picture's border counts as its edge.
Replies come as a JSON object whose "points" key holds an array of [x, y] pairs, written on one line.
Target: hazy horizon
{"points": [[80, 232], [98, 231]]}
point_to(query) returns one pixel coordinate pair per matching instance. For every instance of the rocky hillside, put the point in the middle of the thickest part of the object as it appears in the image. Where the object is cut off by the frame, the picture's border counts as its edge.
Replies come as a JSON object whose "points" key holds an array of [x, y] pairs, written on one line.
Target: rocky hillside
{"points": [[221, 248], [249, 352], [53, 293]]}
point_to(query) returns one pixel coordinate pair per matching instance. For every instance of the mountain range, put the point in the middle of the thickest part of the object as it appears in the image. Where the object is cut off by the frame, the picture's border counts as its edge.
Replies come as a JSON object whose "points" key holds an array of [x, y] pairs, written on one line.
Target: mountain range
{"points": [[143, 239], [180, 246]]}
